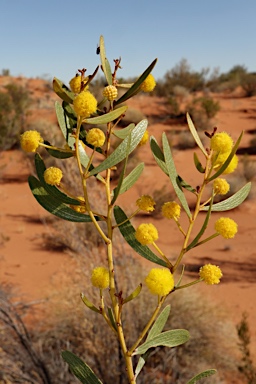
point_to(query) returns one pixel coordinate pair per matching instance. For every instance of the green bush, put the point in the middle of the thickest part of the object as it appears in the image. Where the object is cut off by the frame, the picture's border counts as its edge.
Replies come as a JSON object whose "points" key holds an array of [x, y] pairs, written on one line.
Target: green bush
{"points": [[248, 83], [14, 102]]}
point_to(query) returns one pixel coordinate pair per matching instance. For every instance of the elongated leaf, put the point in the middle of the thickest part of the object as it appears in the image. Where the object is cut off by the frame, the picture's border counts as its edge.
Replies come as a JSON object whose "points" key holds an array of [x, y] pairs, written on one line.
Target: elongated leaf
{"points": [[170, 339], [112, 318], [71, 115], [58, 154], [173, 175], [64, 124], [120, 152], [81, 370], [54, 206], [133, 295], [195, 135], [104, 119], [159, 324], [52, 190], [62, 91], [156, 329], [128, 232], [158, 155], [89, 304], [131, 179], [198, 164], [104, 61], [202, 375], [202, 230], [136, 86], [123, 133], [121, 177], [225, 165], [183, 184], [233, 201]]}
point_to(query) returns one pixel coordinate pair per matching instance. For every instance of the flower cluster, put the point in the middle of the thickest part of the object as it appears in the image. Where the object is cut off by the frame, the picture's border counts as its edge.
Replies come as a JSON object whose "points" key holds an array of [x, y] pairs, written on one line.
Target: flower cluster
{"points": [[146, 203], [226, 227], [160, 281], [85, 104], [148, 84], [53, 176], [146, 234], [95, 137], [144, 139], [171, 210], [110, 92], [211, 274], [220, 186], [100, 277], [80, 208], [221, 144], [30, 141]]}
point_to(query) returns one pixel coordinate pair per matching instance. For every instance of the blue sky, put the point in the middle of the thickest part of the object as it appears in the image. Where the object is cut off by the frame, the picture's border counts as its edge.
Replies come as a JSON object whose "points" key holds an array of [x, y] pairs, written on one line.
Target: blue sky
{"points": [[56, 37]]}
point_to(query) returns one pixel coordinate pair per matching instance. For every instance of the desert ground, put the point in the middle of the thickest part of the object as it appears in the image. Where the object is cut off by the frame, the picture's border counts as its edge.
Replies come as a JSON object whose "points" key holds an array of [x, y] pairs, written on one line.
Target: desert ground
{"points": [[29, 267]]}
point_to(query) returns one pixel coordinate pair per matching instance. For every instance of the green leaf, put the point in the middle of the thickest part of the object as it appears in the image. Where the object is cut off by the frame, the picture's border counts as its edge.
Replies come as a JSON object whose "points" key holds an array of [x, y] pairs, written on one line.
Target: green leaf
{"points": [[202, 230], [183, 184], [104, 61], [64, 123], [158, 155], [131, 179], [58, 154], [202, 375], [159, 324], [133, 295], [89, 304], [198, 164], [225, 165], [170, 339], [173, 175], [156, 329], [121, 177], [53, 205], [232, 202], [106, 118], [120, 152], [136, 86], [112, 318], [81, 370], [195, 135], [123, 133], [62, 91], [128, 232], [51, 189]]}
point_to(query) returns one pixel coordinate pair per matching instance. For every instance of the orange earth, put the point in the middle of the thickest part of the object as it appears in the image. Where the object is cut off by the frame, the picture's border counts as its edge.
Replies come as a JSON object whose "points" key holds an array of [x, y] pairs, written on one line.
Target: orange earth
{"points": [[29, 267]]}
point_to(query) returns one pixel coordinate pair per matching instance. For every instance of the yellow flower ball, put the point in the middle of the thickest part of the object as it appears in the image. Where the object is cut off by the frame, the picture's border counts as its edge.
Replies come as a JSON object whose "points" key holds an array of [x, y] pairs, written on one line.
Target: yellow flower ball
{"points": [[160, 281], [171, 210], [226, 227], [30, 141], [146, 234], [221, 142], [110, 92], [75, 84], [211, 274], [80, 208], [85, 104], [95, 137], [144, 138], [53, 176], [220, 160], [146, 203], [100, 277], [221, 186], [148, 84]]}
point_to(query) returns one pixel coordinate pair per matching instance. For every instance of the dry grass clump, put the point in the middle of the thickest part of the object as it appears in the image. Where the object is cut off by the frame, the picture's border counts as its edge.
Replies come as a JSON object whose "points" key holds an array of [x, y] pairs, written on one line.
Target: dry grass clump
{"points": [[65, 323]]}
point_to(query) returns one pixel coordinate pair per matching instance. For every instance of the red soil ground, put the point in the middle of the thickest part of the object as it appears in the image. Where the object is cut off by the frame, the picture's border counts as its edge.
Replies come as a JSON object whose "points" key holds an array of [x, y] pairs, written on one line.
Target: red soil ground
{"points": [[25, 264]]}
